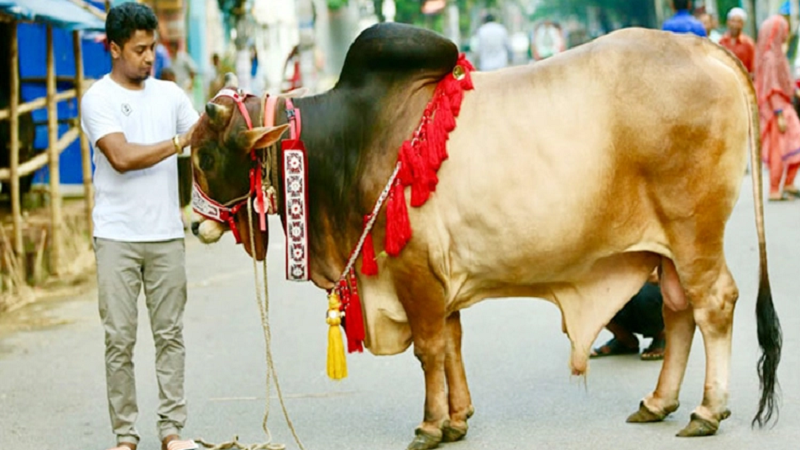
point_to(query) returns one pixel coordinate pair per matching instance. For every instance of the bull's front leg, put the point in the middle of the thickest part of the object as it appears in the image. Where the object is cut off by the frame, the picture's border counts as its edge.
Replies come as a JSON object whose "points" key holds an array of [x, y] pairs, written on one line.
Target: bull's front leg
{"points": [[458, 391], [426, 317]]}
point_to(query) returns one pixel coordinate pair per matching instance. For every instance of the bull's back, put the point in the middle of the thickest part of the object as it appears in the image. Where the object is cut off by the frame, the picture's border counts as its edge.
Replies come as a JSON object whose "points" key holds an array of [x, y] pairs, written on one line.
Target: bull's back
{"points": [[557, 164]]}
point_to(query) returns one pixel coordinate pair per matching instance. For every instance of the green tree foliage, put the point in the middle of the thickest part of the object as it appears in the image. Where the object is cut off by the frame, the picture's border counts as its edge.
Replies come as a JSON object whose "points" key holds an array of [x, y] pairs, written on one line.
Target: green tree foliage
{"points": [[410, 11], [627, 12], [724, 6], [336, 4]]}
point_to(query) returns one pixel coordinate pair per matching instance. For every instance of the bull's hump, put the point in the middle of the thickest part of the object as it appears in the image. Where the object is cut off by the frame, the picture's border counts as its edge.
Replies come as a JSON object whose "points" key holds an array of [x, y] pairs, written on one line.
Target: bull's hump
{"points": [[393, 52]]}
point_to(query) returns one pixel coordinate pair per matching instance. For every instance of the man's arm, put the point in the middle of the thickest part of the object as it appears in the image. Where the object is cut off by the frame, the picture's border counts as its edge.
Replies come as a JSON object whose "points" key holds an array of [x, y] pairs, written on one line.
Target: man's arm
{"points": [[125, 156]]}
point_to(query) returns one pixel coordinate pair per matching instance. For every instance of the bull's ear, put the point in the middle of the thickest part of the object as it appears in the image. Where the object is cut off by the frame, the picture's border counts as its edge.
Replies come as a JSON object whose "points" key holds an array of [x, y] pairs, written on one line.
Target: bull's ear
{"points": [[264, 136]]}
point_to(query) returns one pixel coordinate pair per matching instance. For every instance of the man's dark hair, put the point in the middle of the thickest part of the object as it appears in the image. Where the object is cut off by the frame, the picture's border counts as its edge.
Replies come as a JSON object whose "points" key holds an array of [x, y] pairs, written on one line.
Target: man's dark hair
{"points": [[681, 4], [489, 18], [124, 20]]}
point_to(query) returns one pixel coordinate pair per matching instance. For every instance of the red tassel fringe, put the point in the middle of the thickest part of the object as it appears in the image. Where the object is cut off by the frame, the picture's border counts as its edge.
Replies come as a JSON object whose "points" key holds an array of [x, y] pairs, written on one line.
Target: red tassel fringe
{"points": [[354, 318], [421, 157], [369, 266], [398, 228]]}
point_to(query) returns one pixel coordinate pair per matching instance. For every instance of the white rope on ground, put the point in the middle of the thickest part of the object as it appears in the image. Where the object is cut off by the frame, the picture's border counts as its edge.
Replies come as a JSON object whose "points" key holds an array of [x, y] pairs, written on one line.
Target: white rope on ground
{"points": [[263, 309]]}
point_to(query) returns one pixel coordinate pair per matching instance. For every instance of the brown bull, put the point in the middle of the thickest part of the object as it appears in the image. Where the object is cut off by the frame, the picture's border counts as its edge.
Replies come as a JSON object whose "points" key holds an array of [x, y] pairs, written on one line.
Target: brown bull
{"points": [[569, 180]]}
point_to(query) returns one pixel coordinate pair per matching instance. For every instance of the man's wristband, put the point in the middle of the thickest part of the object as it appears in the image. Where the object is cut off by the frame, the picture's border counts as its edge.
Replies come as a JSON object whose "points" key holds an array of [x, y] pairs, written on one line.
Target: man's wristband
{"points": [[176, 142]]}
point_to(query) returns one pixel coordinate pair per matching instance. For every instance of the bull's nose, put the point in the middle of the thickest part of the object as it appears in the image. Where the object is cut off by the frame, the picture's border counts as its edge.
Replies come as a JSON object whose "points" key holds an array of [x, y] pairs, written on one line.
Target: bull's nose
{"points": [[195, 228]]}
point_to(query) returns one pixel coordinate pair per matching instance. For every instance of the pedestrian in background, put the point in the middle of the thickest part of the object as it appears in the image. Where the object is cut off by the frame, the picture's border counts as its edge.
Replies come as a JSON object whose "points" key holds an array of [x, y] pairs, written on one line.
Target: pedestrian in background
{"points": [[710, 24], [780, 127], [737, 42], [138, 125], [641, 315], [683, 21], [494, 48], [548, 40]]}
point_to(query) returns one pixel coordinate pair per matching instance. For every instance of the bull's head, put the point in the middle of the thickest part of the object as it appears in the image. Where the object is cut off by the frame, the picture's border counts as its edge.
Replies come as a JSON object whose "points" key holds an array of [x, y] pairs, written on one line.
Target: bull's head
{"points": [[221, 163]]}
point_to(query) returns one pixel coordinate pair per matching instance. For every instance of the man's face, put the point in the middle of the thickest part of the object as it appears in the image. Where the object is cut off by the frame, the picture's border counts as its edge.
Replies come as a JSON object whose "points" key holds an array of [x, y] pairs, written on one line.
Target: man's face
{"points": [[136, 56], [735, 26], [707, 22]]}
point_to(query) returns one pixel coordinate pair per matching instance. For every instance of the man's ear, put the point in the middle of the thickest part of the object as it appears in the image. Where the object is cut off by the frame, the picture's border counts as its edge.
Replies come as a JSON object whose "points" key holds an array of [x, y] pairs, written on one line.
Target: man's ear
{"points": [[262, 137], [115, 49]]}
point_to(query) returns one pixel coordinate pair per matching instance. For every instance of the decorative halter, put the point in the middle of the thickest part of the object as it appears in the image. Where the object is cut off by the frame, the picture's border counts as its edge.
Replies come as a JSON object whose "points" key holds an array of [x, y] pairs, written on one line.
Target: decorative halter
{"points": [[262, 185]]}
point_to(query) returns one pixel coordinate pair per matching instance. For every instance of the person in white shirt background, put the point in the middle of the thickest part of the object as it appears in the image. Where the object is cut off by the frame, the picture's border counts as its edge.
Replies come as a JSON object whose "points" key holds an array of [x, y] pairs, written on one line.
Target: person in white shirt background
{"points": [[138, 125], [548, 40], [491, 45]]}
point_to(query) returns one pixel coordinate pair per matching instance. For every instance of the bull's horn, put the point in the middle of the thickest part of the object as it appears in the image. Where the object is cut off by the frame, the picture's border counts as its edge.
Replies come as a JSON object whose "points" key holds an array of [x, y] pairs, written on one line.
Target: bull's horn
{"points": [[216, 113], [231, 80]]}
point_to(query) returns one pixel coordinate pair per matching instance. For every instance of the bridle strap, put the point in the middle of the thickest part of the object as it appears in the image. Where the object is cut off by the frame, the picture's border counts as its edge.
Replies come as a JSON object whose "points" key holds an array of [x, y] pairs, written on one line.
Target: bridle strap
{"points": [[239, 99], [269, 111], [295, 121]]}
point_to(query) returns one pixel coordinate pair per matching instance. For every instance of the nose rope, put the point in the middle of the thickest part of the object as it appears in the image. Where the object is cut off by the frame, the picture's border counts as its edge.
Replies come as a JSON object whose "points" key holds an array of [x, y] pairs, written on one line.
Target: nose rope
{"points": [[271, 373]]}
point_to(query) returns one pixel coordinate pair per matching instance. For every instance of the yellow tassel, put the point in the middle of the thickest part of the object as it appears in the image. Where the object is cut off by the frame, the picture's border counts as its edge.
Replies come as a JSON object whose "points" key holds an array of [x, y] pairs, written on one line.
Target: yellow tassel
{"points": [[337, 365]]}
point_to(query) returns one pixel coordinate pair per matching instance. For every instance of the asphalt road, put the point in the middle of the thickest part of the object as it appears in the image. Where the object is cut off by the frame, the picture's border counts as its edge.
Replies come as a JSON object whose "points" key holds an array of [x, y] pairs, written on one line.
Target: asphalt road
{"points": [[52, 384]]}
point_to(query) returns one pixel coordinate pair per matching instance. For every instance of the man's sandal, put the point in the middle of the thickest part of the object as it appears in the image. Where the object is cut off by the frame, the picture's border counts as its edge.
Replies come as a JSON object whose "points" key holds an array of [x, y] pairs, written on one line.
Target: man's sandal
{"points": [[655, 352], [124, 446], [612, 348], [174, 443]]}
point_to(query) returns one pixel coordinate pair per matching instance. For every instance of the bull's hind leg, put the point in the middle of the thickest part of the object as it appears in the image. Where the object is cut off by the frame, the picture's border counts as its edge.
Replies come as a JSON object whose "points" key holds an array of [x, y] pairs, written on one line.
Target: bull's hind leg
{"points": [[713, 296], [679, 329], [458, 390]]}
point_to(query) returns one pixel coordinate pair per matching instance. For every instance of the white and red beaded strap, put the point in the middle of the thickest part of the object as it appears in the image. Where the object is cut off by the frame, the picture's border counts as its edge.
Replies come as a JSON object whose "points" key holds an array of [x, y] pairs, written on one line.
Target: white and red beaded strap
{"points": [[206, 207], [295, 190]]}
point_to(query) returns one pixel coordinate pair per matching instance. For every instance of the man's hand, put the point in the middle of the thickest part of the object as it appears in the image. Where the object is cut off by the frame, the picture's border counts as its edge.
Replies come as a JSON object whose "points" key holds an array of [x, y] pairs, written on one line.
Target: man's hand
{"points": [[781, 123], [186, 138]]}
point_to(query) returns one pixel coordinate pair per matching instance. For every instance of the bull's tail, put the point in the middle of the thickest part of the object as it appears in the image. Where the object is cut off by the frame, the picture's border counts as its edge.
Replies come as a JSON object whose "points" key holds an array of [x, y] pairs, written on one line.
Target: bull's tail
{"points": [[769, 328]]}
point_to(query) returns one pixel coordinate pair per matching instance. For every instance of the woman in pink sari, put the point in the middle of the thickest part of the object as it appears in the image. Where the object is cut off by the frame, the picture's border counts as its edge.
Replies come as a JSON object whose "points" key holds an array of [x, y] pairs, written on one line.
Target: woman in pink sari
{"points": [[780, 127]]}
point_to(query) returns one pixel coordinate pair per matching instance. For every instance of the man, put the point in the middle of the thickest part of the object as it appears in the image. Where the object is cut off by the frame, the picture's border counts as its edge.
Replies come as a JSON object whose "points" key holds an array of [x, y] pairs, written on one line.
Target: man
{"points": [[641, 315], [548, 40], [137, 126], [493, 45], [710, 24], [183, 65], [214, 77], [682, 21], [738, 43]]}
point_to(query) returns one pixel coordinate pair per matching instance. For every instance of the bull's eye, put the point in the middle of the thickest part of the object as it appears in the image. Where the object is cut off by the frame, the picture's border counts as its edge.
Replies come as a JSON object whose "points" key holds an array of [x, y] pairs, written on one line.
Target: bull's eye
{"points": [[206, 161]]}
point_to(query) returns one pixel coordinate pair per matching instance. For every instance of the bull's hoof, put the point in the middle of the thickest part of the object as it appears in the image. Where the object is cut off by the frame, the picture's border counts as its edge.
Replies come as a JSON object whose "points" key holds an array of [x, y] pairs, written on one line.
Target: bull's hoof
{"points": [[699, 427], [453, 433], [470, 412], [424, 440], [644, 415]]}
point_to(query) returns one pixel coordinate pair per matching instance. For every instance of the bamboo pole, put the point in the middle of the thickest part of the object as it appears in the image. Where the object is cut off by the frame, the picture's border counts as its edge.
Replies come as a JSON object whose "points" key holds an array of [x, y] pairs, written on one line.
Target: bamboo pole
{"points": [[52, 150], [41, 102], [13, 107], [86, 156], [41, 160]]}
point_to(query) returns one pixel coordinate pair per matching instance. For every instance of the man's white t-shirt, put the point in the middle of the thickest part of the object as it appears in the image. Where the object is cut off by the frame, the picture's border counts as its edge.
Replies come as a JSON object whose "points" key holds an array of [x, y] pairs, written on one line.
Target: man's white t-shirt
{"points": [[139, 205]]}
